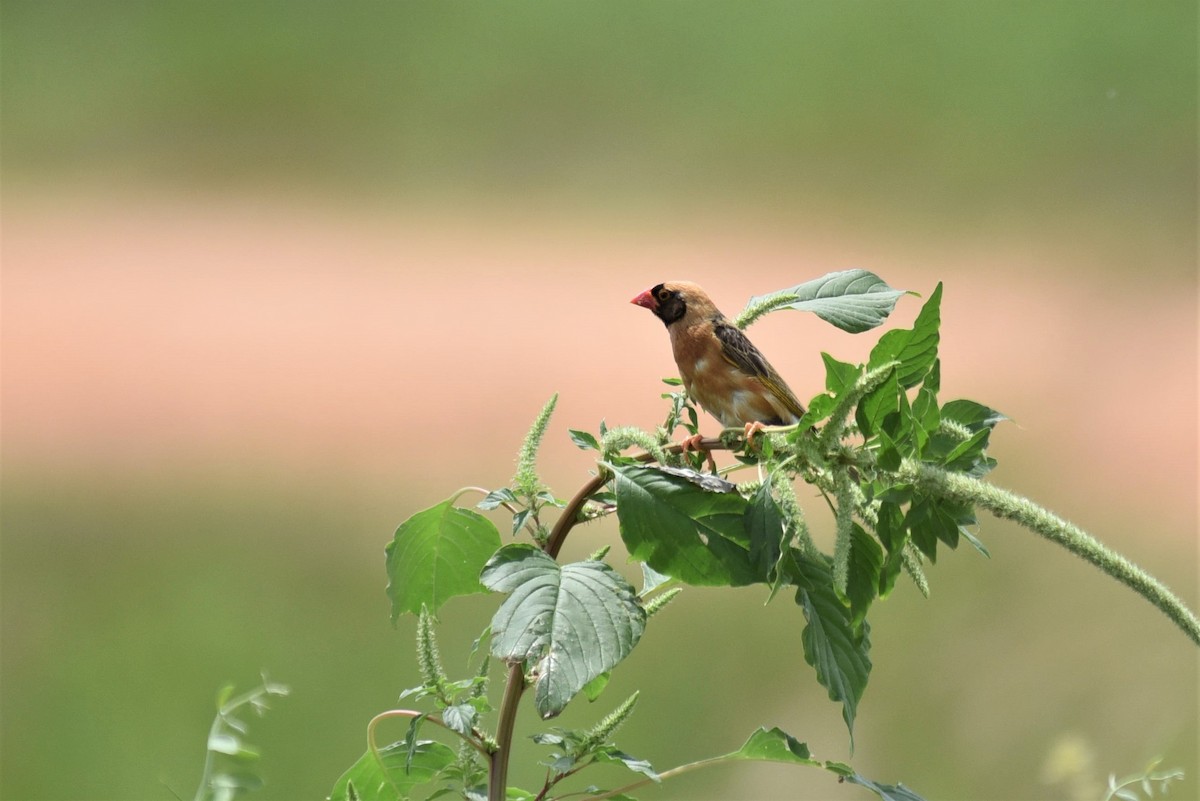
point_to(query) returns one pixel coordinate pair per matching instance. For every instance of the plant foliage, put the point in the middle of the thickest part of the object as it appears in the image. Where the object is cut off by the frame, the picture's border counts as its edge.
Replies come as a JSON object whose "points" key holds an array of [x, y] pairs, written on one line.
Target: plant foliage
{"points": [[899, 469]]}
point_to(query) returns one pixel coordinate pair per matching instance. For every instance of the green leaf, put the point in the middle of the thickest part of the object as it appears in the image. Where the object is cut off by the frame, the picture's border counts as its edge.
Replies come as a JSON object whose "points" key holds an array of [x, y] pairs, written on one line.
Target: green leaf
{"points": [[840, 376], [853, 300], [231, 744], [570, 623], [595, 687], [975, 542], [819, 407], [681, 530], [926, 415], [774, 745], [865, 566], [916, 348], [519, 520], [765, 528], [652, 579], [890, 529], [612, 755], [966, 453], [583, 440], [839, 654], [971, 414], [460, 717], [877, 404], [385, 779], [436, 555], [496, 498], [888, 792]]}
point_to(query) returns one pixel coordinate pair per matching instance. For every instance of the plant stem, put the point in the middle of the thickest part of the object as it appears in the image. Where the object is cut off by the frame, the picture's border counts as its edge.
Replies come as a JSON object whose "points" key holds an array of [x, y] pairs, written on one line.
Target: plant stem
{"points": [[498, 761], [1010, 506], [514, 687], [666, 774], [412, 713]]}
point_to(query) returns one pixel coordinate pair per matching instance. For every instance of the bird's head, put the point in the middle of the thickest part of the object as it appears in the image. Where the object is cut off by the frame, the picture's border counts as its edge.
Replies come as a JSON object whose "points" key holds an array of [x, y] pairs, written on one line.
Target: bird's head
{"points": [[672, 301]]}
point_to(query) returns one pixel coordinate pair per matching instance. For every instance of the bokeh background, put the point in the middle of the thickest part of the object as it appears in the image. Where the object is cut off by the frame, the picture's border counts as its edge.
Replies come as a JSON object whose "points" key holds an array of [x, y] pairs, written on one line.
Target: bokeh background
{"points": [[278, 274]]}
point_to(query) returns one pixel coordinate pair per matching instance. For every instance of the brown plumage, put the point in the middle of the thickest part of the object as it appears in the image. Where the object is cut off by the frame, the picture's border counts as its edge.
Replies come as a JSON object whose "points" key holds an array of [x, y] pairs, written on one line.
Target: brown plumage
{"points": [[721, 369]]}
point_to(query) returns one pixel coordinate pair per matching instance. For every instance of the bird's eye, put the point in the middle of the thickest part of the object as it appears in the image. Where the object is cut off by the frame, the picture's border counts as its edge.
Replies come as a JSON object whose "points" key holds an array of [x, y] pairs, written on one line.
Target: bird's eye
{"points": [[663, 295]]}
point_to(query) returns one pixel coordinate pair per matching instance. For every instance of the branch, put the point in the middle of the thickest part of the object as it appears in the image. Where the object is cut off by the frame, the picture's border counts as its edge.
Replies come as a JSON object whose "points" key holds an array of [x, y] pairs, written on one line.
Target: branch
{"points": [[413, 714]]}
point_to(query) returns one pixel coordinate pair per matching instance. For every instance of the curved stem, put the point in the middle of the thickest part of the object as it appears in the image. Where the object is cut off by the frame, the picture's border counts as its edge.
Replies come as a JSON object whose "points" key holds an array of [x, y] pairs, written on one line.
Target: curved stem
{"points": [[1010, 506], [498, 761], [666, 774], [412, 713]]}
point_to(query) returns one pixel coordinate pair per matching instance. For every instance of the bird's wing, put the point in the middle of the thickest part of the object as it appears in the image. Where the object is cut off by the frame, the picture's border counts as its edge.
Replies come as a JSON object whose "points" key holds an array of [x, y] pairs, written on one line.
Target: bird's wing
{"points": [[739, 351]]}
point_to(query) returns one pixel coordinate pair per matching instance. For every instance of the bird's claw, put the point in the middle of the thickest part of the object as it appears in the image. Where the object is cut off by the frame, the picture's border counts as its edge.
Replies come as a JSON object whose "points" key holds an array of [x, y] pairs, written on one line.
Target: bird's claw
{"points": [[753, 428]]}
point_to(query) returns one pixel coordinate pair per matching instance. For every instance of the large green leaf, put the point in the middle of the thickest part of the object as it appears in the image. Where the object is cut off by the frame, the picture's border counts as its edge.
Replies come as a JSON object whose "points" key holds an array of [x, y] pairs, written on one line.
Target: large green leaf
{"points": [[436, 555], [839, 654], [852, 300], [678, 528], [569, 623], [392, 776]]}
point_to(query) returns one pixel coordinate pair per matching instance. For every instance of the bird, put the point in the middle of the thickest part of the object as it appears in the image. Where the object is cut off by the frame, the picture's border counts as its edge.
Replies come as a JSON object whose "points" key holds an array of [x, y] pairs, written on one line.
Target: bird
{"points": [[721, 368]]}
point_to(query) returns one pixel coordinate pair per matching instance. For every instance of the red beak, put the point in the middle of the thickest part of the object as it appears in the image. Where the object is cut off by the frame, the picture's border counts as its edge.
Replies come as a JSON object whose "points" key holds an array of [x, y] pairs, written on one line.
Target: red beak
{"points": [[646, 300]]}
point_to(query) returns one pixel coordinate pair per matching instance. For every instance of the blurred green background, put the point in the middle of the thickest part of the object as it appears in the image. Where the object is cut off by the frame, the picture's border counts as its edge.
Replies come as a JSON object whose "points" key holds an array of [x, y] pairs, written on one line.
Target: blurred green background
{"points": [[278, 274]]}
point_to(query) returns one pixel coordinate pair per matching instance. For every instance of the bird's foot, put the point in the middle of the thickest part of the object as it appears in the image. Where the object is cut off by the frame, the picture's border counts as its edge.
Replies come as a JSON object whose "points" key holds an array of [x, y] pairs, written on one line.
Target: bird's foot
{"points": [[692, 443], [752, 429]]}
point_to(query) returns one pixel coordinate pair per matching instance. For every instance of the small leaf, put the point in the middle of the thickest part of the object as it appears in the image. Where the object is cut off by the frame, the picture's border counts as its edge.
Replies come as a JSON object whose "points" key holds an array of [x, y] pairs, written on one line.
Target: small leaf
{"points": [[583, 440], [890, 530], [971, 538], [877, 404], [765, 529], [866, 563], [593, 688], [652, 580], [971, 414], [436, 555], [460, 717], [613, 755], [705, 481], [965, 453], [839, 376], [774, 745], [223, 743], [519, 520], [819, 407], [887, 792], [223, 695], [497, 498], [853, 300], [386, 779], [569, 623]]}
